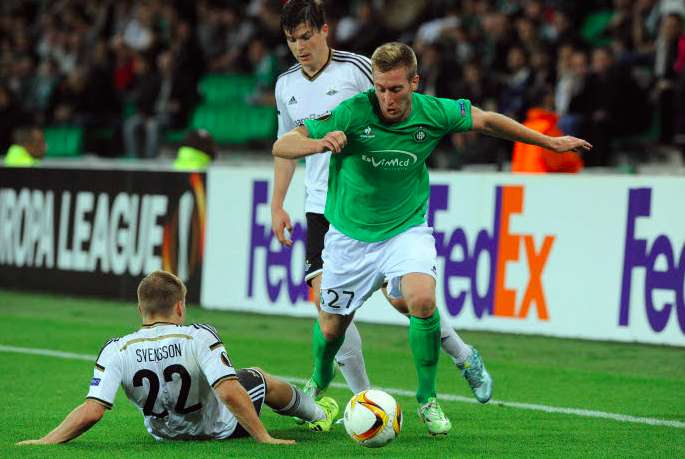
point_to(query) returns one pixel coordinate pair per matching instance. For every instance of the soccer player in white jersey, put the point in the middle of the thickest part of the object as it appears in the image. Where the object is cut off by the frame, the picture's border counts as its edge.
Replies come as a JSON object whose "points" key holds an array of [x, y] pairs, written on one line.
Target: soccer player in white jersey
{"points": [[182, 380], [313, 87]]}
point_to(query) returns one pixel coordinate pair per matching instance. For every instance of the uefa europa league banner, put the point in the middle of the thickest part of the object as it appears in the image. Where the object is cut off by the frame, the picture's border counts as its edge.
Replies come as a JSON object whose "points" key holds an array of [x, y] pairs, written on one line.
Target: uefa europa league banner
{"points": [[591, 257], [98, 232]]}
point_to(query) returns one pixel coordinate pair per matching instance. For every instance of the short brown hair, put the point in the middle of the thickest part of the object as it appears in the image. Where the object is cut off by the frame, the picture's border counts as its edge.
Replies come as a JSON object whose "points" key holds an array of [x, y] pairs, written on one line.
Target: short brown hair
{"points": [[159, 291], [311, 13], [393, 55]]}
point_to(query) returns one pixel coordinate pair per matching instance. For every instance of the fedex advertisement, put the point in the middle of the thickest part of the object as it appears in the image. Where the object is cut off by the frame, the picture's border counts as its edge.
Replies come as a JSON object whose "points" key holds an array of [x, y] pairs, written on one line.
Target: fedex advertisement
{"points": [[583, 257]]}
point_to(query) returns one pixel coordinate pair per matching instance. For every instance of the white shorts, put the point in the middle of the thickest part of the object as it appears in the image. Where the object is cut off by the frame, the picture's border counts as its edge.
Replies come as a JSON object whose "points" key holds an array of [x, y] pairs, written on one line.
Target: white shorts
{"points": [[353, 270]]}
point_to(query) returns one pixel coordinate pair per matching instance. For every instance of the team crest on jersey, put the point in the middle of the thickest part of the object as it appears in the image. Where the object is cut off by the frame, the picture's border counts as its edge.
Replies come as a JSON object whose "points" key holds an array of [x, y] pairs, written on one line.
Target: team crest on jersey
{"points": [[331, 92], [420, 135], [367, 133]]}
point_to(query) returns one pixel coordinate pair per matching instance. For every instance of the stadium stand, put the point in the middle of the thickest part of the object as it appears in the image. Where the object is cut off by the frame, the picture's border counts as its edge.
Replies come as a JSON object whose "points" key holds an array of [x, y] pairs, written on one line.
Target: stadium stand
{"points": [[74, 67]]}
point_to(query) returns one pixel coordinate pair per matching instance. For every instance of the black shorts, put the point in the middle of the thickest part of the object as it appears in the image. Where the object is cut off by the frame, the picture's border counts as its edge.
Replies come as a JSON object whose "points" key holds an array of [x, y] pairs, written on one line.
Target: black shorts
{"points": [[254, 383], [317, 227]]}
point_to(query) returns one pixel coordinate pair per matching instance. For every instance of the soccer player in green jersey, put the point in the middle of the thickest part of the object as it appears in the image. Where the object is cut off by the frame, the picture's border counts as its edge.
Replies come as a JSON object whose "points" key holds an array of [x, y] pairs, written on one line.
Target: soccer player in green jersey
{"points": [[377, 199]]}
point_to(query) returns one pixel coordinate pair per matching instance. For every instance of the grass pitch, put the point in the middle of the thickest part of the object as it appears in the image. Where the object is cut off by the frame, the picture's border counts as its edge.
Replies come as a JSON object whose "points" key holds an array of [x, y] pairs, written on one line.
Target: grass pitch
{"points": [[629, 379]]}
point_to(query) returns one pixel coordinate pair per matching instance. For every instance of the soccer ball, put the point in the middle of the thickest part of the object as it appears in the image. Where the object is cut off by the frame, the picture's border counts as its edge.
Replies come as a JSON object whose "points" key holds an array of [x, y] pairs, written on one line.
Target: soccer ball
{"points": [[373, 418]]}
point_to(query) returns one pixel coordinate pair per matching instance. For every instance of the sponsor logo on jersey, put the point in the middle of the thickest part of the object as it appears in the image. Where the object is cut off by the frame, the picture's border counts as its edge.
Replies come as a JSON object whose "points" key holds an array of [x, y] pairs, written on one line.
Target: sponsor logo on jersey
{"points": [[319, 117], [331, 92], [292, 101], [420, 135], [324, 116], [367, 133], [95, 381], [390, 159]]}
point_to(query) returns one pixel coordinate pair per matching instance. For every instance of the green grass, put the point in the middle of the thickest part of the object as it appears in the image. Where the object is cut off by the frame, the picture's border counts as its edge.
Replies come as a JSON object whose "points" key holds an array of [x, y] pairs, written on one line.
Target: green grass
{"points": [[629, 379]]}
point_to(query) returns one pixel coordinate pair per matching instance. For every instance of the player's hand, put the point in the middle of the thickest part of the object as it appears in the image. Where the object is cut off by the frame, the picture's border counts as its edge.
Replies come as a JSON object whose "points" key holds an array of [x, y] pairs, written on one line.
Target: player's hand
{"points": [[277, 441], [30, 442], [569, 143], [280, 221], [334, 141]]}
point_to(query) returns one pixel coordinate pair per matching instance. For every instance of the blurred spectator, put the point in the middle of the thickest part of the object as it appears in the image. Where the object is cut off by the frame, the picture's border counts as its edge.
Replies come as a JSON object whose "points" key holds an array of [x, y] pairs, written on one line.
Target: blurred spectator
{"points": [[41, 90], [138, 33], [362, 31], [436, 72], [669, 63], [163, 97], [515, 85], [223, 35], [498, 40], [28, 148], [71, 99], [477, 86], [10, 116], [265, 69], [570, 99], [607, 106], [197, 151], [533, 159]]}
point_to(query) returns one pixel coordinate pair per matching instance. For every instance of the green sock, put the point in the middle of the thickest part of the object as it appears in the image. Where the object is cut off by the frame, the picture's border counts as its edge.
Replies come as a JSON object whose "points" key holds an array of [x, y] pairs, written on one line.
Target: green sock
{"points": [[324, 353], [424, 340]]}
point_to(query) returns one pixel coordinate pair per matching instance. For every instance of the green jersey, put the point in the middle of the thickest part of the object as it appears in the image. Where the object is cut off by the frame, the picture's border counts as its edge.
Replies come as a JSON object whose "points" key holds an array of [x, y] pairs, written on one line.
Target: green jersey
{"points": [[378, 185]]}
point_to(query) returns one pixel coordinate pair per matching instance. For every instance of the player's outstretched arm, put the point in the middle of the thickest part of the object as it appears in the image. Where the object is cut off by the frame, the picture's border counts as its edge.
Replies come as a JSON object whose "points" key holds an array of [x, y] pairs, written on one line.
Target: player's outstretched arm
{"points": [[498, 125], [297, 143], [82, 418], [233, 394], [280, 220]]}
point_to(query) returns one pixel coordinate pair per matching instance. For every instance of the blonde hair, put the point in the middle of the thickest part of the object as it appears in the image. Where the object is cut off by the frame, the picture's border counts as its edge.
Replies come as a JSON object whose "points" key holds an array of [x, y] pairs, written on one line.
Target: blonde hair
{"points": [[393, 55], [159, 292]]}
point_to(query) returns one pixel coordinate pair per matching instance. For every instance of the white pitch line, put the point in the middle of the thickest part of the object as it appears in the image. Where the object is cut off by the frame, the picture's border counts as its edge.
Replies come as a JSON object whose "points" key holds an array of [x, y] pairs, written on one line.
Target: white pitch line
{"points": [[408, 393]]}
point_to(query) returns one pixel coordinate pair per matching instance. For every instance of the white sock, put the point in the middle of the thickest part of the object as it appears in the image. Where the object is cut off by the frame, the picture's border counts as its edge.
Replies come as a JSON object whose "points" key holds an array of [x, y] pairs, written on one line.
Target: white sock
{"points": [[351, 361], [302, 406], [452, 344]]}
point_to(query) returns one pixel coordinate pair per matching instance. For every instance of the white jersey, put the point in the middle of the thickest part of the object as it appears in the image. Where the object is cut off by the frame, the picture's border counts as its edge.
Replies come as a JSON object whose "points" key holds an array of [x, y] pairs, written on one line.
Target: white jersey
{"points": [[168, 371], [300, 97]]}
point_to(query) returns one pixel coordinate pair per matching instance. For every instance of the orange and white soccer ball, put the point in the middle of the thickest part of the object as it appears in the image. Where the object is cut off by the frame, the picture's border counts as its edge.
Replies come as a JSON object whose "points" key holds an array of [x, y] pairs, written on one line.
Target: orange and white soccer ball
{"points": [[373, 418]]}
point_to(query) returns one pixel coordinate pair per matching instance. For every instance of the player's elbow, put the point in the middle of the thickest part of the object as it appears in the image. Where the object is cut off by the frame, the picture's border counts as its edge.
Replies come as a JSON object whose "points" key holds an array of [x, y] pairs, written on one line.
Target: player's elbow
{"points": [[91, 412], [228, 391], [275, 149]]}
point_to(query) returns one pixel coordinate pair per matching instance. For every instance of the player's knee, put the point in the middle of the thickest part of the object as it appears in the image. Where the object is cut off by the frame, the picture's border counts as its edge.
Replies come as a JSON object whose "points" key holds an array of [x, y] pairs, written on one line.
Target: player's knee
{"points": [[259, 370], [399, 304], [331, 331], [421, 305]]}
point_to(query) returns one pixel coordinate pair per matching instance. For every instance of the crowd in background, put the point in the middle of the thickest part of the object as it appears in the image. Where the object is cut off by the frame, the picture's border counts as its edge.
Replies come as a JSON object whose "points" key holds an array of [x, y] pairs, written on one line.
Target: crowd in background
{"points": [[609, 71]]}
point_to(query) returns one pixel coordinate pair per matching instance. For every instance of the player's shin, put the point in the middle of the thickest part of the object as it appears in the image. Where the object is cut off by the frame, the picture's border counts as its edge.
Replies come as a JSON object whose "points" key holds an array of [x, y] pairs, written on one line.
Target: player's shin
{"points": [[350, 360], [301, 406], [424, 340], [452, 343], [324, 353]]}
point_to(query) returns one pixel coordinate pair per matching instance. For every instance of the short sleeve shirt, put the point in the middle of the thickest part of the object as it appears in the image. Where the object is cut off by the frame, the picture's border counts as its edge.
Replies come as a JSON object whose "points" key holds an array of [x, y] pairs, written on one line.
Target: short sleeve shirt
{"points": [[168, 371], [378, 185]]}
